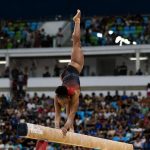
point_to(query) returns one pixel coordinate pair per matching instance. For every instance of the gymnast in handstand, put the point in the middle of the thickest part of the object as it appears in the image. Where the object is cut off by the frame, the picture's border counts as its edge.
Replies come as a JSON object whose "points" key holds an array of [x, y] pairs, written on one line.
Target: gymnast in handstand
{"points": [[67, 95]]}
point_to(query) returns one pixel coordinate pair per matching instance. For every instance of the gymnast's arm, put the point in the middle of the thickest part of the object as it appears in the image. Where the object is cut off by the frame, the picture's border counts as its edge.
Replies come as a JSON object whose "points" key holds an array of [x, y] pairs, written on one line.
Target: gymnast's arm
{"points": [[73, 109], [57, 113]]}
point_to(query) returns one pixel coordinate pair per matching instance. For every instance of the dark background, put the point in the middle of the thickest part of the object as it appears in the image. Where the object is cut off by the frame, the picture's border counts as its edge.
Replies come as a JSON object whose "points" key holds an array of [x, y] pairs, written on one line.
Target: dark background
{"points": [[35, 9]]}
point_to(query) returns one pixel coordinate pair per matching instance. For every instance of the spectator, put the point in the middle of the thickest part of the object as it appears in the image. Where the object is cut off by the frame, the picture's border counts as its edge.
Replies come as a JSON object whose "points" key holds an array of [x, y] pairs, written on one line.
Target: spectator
{"points": [[148, 90], [28, 38], [47, 73], [59, 37], [108, 98], [57, 70], [14, 73], [138, 143], [31, 105], [37, 37], [87, 37], [123, 69], [6, 72], [20, 84], [116, 97], [47, 41], [124, 96], [146, 144], [116, 71], [139, 72], [33, 69], [2, 146], [43, 33], [128, 124], [26, 74]]}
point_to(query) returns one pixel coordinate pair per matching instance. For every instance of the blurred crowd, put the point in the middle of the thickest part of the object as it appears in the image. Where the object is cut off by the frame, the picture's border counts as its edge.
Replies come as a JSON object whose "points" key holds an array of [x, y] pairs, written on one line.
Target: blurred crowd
{"points": [[31, 71], [97, 30], [105, 30], [23, 34], [117, 117]]}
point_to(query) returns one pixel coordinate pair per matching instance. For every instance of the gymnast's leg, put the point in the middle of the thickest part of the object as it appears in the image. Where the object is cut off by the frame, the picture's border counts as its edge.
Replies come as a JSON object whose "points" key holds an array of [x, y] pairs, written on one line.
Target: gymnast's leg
{"points": [[77, 57]]}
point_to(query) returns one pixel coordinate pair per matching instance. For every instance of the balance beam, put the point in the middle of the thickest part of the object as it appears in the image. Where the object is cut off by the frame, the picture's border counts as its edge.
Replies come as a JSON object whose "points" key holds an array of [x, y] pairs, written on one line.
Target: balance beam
{"points": [[39, 132]]}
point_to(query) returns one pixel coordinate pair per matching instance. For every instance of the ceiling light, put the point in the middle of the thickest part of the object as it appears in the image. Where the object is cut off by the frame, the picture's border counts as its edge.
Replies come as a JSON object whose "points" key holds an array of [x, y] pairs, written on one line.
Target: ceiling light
{"points": [[134, 43], [2, 62], [64, 60], [118, 39], [100, 35], [110, 32], [141, 58]]}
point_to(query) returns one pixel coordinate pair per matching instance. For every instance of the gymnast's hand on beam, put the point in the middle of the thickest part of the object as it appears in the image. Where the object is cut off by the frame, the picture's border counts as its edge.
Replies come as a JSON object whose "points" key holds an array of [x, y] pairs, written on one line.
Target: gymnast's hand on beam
{"points": [[64, 131]]}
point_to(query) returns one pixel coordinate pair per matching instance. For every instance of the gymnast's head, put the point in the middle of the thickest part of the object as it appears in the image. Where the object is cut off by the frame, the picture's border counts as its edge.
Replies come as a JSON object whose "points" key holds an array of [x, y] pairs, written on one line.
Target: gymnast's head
{"points": [[62, 95]]}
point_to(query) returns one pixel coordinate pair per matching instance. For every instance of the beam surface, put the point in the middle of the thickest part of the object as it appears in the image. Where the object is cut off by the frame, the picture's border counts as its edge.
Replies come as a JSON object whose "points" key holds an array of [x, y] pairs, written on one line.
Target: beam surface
{"points": [[39, 132]]}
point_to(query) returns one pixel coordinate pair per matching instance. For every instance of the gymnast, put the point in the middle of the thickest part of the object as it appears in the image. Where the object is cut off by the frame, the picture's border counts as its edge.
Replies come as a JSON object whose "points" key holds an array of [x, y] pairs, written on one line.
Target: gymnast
{"points": [[67, 95]]}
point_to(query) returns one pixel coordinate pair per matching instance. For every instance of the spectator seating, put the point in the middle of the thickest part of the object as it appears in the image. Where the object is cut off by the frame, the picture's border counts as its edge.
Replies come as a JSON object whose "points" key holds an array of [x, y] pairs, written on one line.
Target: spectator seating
{"points": [[96, 116], [134, 28]]}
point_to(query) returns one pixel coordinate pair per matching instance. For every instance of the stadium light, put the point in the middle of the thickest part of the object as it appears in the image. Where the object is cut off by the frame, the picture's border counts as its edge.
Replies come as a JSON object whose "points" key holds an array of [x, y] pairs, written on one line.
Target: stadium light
{"points": [[134, 43], [2, 62], [122, 40], [141, 58], [110, 32], [100, 35], [118, 39], [126, 41], [64, 60]]}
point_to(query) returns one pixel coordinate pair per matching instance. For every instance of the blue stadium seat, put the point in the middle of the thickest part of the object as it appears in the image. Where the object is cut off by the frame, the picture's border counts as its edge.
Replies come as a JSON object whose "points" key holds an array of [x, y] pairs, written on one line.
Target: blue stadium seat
{"points": [[126, 30], [87, 23], [81, 114], [132, 29], [119, 21], [11, 34], [5, 29], [146, 20], [113, 28], [34, 26]]}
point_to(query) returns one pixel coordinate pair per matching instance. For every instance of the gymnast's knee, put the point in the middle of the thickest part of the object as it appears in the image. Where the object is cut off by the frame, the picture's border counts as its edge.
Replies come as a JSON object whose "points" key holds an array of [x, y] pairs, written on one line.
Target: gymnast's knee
{"points": [[76, 38]]}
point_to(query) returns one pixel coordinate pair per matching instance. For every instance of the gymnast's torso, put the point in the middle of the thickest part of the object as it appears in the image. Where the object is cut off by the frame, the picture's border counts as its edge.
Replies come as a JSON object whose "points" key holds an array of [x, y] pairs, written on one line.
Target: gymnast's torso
{"points": [[70, 79]]}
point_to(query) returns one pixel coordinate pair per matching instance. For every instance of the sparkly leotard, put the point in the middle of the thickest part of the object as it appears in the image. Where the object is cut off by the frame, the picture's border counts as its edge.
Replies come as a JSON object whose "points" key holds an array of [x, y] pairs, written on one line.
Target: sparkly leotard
{"points": [[70, 79]]}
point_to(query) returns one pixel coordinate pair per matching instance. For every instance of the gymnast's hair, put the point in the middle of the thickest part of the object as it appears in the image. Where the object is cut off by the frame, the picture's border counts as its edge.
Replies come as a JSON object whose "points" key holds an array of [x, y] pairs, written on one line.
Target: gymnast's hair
{"points": [[61, 91]]}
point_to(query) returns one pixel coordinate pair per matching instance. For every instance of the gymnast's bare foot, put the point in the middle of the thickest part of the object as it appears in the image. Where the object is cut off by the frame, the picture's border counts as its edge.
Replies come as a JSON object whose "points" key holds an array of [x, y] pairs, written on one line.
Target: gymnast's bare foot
{"points": [[76, 18]]}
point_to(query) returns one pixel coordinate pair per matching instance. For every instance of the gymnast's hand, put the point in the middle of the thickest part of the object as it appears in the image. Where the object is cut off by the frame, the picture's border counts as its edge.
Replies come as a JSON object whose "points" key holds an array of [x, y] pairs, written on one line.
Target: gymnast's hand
{"points": [[64, 131]]}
